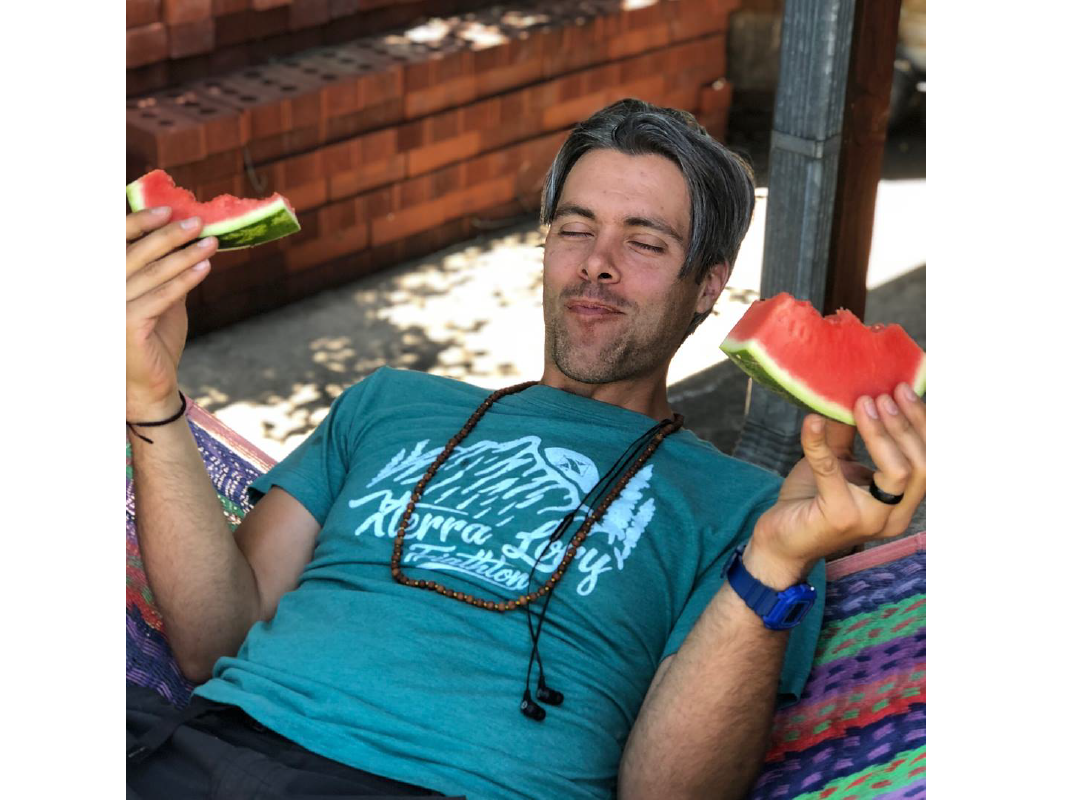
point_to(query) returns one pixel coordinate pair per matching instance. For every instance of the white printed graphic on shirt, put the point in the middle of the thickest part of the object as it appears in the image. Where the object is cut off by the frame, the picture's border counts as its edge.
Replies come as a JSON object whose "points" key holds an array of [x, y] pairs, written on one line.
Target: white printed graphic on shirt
{"points": [[465, 521]]}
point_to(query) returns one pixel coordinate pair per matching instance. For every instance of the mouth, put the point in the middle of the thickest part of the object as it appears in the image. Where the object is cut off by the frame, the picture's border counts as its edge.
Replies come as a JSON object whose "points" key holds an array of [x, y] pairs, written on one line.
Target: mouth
{"points": [[590, 308]]}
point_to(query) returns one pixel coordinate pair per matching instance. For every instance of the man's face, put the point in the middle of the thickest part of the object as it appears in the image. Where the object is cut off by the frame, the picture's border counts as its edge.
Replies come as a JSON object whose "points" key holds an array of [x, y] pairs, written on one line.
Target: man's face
{"points": [[614, 306]]}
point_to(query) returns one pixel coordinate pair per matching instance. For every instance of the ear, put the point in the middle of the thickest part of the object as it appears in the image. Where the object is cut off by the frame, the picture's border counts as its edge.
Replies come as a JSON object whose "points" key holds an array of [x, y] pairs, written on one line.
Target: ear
{"points": [[711, 287]]}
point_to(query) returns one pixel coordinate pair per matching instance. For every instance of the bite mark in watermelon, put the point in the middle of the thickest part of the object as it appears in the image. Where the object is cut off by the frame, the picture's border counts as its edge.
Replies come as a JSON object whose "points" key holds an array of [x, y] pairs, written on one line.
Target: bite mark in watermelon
{"points": [[237, 222], [824, 364]]}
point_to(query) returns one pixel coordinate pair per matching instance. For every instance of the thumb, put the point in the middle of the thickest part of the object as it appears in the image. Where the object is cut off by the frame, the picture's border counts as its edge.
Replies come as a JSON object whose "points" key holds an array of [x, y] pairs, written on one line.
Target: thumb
{"points": [[830, 481]]}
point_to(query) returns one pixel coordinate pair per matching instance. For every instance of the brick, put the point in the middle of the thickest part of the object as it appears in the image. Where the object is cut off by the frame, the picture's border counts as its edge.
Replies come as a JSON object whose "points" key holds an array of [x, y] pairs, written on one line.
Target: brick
{"points": [[269, 110], [308, 196], [364, 120], [480, 116], [444, 126], [366, 177], [692, 20], [411, 136], [282, 144], [213, 167], [301, 169], [176, 12], [413, 192], [446, 181], [147, 79], [378, 203], [714, 111], [191, 38], [378, 145], [146, 44], [227, 260], [338, 216], [264, 5], [221, 7], [308, 14], [343, 8], [403, 223], [142, 12], [639, 41], [487, 195], [334, 245], [339, 157], [160, 136], [437, 155], [303, 91], [224, 128]]}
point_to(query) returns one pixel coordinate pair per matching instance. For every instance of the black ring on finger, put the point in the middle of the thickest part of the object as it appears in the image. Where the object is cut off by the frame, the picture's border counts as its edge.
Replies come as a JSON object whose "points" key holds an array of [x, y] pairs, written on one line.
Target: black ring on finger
{"points": [[882, 497]]}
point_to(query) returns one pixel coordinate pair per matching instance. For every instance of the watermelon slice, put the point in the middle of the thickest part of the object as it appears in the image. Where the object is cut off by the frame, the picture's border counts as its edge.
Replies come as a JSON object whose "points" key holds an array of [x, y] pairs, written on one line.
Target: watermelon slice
{"points": [[237, 222], [823, 364]]}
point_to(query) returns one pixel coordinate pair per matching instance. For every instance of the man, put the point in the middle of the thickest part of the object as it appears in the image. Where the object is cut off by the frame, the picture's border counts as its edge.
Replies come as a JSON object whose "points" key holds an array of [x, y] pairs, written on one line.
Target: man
{"points": [[371, 622]]}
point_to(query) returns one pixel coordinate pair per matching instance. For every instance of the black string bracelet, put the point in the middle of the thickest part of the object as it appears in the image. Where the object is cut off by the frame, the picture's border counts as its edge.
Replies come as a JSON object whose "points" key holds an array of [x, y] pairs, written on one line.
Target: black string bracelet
{"points": [[167, 421]]}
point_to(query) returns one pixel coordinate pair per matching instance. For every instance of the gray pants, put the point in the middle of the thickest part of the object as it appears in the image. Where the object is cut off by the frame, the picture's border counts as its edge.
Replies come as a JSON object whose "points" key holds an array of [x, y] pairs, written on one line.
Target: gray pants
{"points": [[218, 751]]}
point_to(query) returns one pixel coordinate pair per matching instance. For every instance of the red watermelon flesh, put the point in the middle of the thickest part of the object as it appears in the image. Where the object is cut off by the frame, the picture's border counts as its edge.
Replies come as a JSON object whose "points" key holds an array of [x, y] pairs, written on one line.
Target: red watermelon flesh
{"points": [[236, 221], [823, 363]]}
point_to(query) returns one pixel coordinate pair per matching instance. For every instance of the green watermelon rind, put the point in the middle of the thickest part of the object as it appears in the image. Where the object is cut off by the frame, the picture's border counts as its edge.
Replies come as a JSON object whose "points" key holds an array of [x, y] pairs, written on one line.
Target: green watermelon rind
{"points": [[755, 362], [262, 225]]}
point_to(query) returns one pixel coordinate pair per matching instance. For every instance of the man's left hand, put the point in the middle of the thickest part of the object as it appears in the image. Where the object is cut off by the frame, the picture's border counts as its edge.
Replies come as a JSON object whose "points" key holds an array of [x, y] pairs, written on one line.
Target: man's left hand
{"points": [[825, 504]]}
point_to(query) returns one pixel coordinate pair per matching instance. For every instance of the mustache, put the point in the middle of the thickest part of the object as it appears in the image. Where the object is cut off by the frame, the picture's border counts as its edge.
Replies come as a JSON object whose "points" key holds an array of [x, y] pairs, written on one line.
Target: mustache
{"points": [[595, 292]]}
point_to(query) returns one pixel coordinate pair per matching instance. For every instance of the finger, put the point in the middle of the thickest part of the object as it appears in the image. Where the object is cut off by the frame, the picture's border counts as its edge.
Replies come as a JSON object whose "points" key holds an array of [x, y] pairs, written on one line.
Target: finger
{"points": [[913, 407], [830, 481], [892, 468], [152, 304], [163, 270], [158, 243], [904, 433], [841, 438], [141, 222]]}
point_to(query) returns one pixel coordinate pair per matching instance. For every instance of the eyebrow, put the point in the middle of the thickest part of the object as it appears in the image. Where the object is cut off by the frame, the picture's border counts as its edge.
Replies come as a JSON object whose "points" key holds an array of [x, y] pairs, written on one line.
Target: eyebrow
{"points": [[655, 223]]}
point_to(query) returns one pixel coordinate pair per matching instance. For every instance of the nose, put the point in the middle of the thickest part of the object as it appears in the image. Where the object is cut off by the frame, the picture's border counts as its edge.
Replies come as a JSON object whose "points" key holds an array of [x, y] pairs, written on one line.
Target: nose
{"points": [[600, 267]]}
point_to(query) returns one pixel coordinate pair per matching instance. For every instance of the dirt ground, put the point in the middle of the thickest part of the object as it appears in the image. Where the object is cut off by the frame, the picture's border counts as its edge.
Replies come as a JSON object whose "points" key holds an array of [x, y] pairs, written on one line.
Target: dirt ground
{"points": [[473, 312]]}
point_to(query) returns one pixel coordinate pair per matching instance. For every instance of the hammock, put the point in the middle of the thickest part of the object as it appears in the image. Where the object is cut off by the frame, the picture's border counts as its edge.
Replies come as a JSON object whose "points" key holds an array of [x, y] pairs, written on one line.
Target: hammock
{"points": [[858, 731]]}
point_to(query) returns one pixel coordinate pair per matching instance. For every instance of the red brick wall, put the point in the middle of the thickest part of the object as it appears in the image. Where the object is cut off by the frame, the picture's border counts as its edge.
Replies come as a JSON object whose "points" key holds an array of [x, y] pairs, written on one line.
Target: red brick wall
{"points": [[389, 145]]}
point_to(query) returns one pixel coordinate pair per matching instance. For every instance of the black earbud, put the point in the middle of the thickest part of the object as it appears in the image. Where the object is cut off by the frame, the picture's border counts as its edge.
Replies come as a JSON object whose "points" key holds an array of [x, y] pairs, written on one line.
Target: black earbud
{"points": [[548, 695], [529, 708]]}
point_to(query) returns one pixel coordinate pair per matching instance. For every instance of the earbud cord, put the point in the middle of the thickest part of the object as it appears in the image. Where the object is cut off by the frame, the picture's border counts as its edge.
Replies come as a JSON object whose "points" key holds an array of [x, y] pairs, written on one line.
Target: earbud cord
{"points": [[603, 485]]}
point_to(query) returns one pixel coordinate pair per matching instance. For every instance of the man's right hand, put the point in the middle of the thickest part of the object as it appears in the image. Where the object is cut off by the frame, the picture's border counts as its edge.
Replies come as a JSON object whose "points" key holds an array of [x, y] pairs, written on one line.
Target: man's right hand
{"points": [[162, 267]]}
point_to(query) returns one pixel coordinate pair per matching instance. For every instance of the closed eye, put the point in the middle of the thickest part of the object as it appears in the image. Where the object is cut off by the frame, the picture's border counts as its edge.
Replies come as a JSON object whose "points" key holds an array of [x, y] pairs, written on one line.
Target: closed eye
{"points": [[649, 247]]}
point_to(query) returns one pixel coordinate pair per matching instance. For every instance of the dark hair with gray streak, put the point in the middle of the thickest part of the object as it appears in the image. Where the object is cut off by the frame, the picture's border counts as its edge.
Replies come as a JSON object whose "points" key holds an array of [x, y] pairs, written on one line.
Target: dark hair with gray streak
{"points": [[721, 183]]}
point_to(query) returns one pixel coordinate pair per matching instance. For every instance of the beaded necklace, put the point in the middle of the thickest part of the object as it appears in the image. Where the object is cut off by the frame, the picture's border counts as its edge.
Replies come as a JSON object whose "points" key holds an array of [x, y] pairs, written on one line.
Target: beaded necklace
{"points": [[662, 431]]}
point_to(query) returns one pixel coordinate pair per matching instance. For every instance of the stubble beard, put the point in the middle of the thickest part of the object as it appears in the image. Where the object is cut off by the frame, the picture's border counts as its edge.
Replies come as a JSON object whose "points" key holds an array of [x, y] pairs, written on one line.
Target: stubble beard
{"points": [[638, 350]]}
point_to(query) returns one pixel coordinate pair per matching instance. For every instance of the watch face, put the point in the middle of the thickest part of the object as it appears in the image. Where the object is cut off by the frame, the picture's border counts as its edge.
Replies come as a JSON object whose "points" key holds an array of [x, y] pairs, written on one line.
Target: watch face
{"points": [[796, 613], [791, 607]]}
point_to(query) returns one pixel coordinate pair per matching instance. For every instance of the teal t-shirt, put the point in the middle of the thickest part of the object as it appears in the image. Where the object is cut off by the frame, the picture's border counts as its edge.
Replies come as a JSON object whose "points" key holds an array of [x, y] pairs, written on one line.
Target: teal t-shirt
{"points": [[414, 686]]}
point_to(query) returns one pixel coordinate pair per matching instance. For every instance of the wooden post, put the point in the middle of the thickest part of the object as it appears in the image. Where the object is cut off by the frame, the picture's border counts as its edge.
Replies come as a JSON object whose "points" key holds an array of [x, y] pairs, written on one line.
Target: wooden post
{"points": [[863, 135]]}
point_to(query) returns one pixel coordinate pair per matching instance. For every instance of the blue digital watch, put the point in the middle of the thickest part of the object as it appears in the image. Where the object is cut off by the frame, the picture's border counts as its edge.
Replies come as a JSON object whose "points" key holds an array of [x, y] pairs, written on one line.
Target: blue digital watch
{"points": [[778, 610]]}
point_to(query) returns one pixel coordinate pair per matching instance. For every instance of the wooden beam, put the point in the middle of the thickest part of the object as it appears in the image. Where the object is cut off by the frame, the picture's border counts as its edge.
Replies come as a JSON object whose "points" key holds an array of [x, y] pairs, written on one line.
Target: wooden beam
{"points": [[863, 135]]}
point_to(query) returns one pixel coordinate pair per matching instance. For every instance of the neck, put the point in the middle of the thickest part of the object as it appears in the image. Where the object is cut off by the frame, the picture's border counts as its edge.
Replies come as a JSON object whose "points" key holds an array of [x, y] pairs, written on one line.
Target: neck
{"points": [[646, 394]]}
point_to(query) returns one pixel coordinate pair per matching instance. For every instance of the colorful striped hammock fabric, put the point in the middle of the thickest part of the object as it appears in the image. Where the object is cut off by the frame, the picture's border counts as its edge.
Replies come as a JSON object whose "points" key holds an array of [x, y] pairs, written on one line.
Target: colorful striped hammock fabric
{"points": [[858, 731]]}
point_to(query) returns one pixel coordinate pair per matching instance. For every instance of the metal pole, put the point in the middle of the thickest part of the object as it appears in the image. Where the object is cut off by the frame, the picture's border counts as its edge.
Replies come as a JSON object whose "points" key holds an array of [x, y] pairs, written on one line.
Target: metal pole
{"points": [[805, 143]]}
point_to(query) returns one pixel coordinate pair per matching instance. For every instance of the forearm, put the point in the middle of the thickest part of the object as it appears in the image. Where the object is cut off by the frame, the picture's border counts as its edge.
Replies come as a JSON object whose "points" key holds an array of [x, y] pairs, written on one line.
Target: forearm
{"points": [[202, 583], [703, 729]]}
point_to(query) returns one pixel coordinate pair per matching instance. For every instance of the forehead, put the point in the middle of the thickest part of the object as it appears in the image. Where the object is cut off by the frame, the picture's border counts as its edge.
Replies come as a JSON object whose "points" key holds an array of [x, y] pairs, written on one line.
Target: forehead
{"points": [[616, 186]]}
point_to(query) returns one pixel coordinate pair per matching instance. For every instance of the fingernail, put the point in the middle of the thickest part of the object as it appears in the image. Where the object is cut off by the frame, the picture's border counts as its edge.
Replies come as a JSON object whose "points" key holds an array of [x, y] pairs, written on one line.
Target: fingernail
{"points": [[201, 266], [818, 425], [190, 223], [909, 392], [870, 408], [160, 211], [210, 240], [890, 406]]}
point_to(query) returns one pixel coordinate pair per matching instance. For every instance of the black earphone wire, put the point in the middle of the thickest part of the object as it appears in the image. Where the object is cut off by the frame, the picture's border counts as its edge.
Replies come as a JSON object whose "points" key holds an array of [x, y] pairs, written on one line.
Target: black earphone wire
{"points": [[603, 485]]}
